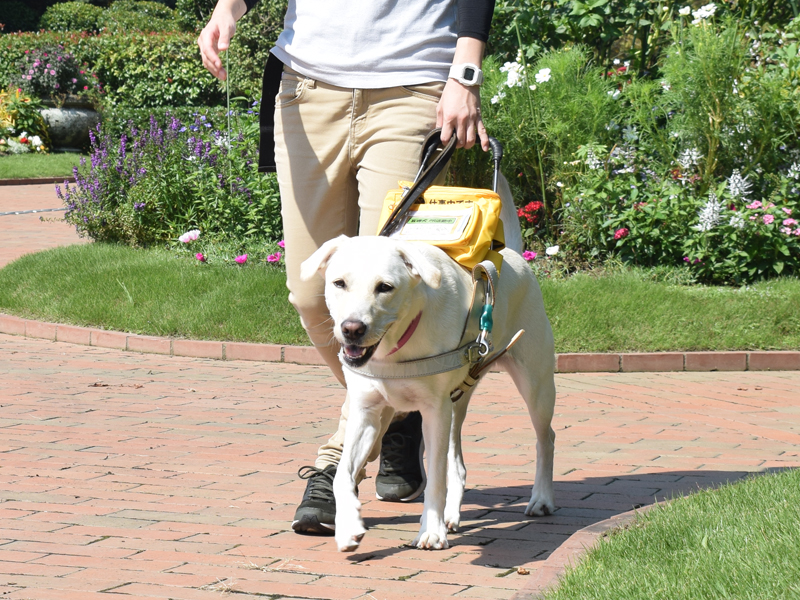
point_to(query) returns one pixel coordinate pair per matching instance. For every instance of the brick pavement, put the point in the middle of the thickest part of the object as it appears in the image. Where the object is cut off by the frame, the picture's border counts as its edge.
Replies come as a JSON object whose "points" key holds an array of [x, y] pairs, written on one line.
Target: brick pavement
{"points": [[20, 234], [153, 476]]}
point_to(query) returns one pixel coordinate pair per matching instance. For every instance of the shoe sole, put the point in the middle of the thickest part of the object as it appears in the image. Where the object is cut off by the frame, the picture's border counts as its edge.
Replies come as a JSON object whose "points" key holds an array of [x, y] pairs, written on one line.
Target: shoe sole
{"points": [[419, 490], [310, 524]]}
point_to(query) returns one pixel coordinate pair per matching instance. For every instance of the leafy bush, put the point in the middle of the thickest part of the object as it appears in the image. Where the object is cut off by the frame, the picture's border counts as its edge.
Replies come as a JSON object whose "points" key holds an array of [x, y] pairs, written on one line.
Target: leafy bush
{"points": [[22, 128], [51, 72], [72, 16], [138, 15], [151, 185]]}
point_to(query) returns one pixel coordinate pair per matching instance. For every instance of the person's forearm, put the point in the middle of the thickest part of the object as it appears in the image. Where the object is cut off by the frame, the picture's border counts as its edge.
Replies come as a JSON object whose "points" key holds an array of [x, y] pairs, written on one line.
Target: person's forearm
{"points": [[469, 50], [236, 8]]}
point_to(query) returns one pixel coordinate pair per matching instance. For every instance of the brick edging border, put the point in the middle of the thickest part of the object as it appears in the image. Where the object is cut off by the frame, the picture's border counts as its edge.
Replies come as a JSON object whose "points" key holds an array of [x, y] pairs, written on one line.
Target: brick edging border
{"points": [[37, 180], [633, 362], [570, 552]]}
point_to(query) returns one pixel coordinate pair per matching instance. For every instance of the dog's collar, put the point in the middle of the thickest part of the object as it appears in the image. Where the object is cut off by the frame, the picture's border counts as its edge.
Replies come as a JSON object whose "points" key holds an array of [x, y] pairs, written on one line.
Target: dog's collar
{"points": [[412, 327]]}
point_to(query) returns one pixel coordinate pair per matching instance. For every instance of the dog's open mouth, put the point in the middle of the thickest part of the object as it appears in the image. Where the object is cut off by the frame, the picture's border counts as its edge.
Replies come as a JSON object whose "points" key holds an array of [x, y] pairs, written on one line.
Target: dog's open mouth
{"points": [[357, 356]]}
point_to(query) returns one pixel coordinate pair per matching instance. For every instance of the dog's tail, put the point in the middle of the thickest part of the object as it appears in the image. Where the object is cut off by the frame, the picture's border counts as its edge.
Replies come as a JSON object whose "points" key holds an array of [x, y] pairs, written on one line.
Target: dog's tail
{"points": [[508, 215]]}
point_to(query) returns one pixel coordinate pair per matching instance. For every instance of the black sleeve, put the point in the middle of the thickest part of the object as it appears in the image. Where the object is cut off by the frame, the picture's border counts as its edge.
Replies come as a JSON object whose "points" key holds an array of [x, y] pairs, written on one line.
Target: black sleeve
{"points": [[250, 4], [474, 18]]}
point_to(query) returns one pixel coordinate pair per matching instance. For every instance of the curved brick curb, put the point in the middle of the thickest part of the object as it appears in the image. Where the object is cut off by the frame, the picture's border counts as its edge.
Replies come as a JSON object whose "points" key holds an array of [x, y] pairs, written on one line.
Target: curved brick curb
{"points": [[570, 552], [306, 355]]}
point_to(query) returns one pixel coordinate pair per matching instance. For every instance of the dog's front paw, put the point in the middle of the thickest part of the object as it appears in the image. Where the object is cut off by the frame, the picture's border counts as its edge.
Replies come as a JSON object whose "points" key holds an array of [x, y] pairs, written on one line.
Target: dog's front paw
{"points": [[348, 542], [431, 541], [541, 504], [452, 519]]}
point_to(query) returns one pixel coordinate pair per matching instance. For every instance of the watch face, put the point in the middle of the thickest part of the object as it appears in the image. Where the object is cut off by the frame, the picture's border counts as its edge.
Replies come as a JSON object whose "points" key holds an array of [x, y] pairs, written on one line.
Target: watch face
{"points": [[469, 74]]}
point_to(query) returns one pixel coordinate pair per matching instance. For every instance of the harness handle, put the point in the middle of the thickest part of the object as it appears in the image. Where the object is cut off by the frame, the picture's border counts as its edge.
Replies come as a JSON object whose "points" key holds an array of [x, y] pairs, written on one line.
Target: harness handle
{"points": [[426, 176]]}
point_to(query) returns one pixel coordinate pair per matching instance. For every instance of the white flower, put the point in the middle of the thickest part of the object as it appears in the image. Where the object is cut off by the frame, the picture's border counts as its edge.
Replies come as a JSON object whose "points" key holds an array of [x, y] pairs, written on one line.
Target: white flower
{"points": [[665, 84], [17, 148], [543, 75], [533, 88], [704, 12], [738, 186], [794, 171], [737, 221], [36, 140], [514, 72], [497, 97], [685, 11], [559, 184], [190, 236], [709, 214], [689, 158], [551, 250], [616, 61], [24, 134], [630, 134], [592, 161], [614, 94]]}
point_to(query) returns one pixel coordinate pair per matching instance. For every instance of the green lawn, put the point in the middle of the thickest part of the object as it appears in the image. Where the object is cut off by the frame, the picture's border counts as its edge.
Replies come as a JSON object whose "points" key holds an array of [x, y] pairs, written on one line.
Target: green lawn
{"points": [[28, 166], [741, 541], [158, 293]]}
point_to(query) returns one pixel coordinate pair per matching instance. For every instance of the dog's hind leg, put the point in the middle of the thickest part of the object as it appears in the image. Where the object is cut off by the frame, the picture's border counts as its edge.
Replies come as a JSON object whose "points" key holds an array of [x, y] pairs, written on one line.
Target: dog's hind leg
{"points": [[456, 470], [363, 428], [539, 395], [436, 419]]}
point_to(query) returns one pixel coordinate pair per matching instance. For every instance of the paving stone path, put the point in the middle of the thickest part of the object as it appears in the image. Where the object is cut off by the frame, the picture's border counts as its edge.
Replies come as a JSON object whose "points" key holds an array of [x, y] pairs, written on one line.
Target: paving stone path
{"points": [[148, 476], [31, 232], [151, 476]]}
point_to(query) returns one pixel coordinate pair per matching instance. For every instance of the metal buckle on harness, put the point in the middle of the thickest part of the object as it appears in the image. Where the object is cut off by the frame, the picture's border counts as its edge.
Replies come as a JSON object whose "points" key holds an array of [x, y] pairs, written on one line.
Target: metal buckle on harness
{"points": [[473, 353]]}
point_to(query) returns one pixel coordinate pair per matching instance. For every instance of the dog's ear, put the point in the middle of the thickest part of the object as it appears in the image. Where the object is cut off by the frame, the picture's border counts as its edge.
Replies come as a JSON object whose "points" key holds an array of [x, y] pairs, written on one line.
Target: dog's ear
{"points": [[319, 260], [420, 266]]}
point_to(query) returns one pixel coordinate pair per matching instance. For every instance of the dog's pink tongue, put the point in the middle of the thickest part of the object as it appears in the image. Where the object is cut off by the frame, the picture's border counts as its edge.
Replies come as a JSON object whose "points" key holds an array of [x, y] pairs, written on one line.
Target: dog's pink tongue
{"points": [[354, 351]]}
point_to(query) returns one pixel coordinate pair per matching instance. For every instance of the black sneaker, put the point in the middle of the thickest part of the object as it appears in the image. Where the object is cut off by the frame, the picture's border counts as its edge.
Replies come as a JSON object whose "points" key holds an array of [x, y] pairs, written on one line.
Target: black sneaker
{"points": [[316, 513], [401, 477]]}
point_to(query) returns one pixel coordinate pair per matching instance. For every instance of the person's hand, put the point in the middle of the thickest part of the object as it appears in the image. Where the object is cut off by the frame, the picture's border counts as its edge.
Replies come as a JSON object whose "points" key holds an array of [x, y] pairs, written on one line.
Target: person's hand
{"points": [[459, 112], [215, 37]]}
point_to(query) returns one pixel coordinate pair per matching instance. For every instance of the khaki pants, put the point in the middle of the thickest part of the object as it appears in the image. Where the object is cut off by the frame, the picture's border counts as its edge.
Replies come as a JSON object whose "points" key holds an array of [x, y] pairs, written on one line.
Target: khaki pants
{"points": [[338, 151]]}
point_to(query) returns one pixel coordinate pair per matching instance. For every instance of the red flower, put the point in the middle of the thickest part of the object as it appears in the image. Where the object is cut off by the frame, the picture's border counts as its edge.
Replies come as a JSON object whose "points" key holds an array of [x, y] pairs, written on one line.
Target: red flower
{"points": [[530, 211], [621, 233]]}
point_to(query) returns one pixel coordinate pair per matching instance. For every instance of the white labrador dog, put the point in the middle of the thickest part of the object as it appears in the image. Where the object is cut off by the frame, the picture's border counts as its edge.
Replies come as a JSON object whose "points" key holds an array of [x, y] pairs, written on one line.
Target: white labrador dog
{"points": [[375, 287]]}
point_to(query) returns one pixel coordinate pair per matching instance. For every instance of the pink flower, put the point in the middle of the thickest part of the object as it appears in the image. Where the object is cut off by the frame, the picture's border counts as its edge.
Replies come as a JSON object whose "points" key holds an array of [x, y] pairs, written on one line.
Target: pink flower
{"points": [[755, 205], [189, 236], [786, 230], [768, 219], [789, 222], [621, 233], [788, 211], [274, 257], [282, 244], [241, 259], [528, 255], [796, 232], [200, 256]]}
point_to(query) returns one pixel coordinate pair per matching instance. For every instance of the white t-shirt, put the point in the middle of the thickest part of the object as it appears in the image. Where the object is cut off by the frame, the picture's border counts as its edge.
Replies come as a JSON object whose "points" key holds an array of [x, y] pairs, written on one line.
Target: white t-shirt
{"points": [[369, 43]]}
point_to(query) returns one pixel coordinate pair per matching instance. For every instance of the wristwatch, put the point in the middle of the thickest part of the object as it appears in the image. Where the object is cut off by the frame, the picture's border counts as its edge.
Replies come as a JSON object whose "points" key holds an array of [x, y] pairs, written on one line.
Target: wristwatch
{"points": [[466, 74]]}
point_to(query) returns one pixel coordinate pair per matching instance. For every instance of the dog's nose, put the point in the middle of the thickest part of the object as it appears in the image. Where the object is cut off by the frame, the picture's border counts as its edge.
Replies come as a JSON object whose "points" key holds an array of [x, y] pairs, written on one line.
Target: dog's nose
{"points": [[353, 330]]}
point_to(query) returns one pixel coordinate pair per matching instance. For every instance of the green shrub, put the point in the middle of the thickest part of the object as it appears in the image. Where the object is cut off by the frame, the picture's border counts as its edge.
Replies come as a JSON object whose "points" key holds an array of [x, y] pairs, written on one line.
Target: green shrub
{"points": [[154, 184], [138, 15], [154, 70], [72, 16]]}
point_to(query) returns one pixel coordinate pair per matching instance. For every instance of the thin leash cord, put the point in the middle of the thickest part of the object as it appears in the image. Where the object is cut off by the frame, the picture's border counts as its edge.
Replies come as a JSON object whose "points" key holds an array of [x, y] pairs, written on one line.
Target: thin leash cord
{"points": [[228, 97]]}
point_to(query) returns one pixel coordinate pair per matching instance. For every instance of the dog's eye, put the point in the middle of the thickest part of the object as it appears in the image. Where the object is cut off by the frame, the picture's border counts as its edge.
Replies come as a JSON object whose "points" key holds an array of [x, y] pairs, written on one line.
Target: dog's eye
{"points": [[383, 288], [339, 283]]}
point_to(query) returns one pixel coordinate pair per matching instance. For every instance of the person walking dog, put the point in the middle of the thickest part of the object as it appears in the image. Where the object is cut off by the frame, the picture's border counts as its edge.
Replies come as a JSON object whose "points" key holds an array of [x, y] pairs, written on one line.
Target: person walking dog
{"points": [[356, 85]]}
